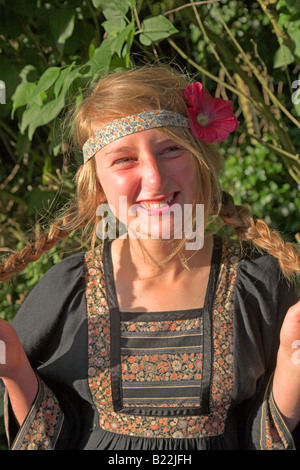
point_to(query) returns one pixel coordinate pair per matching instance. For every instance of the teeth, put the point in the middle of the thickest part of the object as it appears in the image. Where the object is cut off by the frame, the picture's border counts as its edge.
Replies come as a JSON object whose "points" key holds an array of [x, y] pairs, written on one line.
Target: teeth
{"points": [[149, 205], [152, 206]]}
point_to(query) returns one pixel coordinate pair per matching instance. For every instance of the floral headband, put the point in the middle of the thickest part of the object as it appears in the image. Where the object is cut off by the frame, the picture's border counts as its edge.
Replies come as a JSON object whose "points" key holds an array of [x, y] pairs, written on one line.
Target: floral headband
{"points": [[210, 119]]}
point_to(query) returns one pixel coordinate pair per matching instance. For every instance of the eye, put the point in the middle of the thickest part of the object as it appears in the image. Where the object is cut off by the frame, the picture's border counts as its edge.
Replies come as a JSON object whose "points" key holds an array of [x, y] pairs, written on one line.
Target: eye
{"points": [[124, 161], [173, 149]]}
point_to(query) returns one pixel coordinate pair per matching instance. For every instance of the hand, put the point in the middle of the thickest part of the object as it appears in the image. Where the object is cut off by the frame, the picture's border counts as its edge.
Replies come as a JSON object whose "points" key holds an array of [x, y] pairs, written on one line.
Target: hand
{"points": [[11, 351], [289, 349], [17, 374], [286, 382]]}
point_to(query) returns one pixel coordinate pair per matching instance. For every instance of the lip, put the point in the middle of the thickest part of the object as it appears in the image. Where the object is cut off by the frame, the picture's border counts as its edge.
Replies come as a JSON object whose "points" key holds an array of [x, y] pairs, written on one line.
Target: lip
{"points": [[158, 210]]}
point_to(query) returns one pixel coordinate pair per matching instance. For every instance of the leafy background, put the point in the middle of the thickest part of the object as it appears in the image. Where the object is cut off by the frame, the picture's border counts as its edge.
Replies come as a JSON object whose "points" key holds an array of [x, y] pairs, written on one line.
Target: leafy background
{"points": [[246, 51]]}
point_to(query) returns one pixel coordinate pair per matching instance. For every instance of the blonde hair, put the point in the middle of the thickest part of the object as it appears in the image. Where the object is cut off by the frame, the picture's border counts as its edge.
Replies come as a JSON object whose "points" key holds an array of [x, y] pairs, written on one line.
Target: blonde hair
{"points": [[123, 93]]}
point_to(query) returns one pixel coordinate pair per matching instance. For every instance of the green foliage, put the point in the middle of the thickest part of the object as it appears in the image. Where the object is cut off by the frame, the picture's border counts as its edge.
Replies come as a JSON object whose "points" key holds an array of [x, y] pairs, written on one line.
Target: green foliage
{"points": [[255, 179], [156, 29]]}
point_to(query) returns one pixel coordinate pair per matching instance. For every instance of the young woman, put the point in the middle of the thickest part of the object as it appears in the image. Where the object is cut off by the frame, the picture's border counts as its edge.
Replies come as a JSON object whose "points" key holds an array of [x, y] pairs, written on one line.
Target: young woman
{"points": [[167, 336]]}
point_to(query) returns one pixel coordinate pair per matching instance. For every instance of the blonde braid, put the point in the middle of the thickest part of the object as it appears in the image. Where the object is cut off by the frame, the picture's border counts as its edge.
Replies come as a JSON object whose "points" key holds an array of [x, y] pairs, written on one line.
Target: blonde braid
{"points": [[80, 215], [32, 252], [240, 219]]}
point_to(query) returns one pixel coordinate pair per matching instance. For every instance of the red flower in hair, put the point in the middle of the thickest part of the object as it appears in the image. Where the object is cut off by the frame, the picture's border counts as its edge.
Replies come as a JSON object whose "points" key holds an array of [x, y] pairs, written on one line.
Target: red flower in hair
{"points": [[211, 119]]}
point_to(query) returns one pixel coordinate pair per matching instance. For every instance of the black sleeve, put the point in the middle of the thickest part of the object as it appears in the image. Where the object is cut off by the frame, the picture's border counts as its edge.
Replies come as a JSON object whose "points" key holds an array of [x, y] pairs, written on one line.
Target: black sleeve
{"points": [[263, 297], [51, 325]]}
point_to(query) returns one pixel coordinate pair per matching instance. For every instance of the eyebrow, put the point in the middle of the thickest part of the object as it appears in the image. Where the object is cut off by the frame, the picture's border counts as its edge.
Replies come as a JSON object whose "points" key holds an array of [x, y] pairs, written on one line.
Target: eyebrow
{"points": [[118, 150], [131, 148]]}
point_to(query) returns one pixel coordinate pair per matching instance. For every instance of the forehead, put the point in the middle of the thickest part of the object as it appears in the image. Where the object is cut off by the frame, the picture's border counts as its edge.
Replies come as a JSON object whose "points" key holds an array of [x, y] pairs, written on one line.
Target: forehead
{"points": [[127, 125], [150, 137]]}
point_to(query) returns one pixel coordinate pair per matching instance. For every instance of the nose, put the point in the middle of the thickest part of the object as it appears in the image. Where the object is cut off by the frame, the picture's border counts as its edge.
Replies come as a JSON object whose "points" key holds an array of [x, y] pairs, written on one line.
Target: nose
{"points": [[154, 175]]}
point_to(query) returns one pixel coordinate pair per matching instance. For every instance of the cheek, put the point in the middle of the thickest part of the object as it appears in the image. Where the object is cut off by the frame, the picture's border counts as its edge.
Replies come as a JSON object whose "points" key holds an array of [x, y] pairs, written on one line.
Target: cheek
{"points": [[114, 187], [187, 172], [191, 182]]}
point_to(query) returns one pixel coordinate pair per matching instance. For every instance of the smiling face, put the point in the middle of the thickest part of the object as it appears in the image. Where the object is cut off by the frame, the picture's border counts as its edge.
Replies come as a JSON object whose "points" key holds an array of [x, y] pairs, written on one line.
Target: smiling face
{"points": [[147, 178]]}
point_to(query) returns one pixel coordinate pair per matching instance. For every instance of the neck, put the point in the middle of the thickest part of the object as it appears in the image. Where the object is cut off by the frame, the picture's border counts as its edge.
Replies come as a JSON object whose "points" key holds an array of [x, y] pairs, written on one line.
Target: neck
{"points": [[147, 258]]}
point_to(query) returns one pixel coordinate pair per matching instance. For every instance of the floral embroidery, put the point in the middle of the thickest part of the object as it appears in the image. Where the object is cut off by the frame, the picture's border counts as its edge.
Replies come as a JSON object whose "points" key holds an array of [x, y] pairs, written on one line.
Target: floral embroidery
{"points": [[161, 363], [274, 432], [222, 367], [178, 325], [171, 367], [43, 423]]}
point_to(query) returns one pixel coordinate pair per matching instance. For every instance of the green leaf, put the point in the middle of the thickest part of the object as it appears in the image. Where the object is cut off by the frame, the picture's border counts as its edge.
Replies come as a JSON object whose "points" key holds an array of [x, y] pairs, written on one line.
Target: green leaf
{"points": [[293, 6], [102, 57], [92, 49], [284, 19], [114, 27], [115, 21], [36, 115], [295, 36], [22, 96], [69, 78], [45, 82], [282, 57], [113, 15], [64, 76], [47, 79], [122, 37], [29, 115], [29, 93], [121, 5], [48, 112], [156, 29], [98, 3]]}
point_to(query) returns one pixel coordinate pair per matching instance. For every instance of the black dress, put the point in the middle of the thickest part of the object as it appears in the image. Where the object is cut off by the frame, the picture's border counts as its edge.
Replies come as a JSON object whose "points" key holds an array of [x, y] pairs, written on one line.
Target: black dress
{"points": [[174, 380]]}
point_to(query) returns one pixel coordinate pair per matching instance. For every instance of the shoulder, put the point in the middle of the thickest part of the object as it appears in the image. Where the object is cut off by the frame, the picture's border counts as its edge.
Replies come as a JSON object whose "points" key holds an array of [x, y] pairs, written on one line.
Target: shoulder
{"points": [[71, 264], [262, 298], [61, 278], [62, 285], [54, 307], [259, 278], [260, 283], [252, 263]]}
